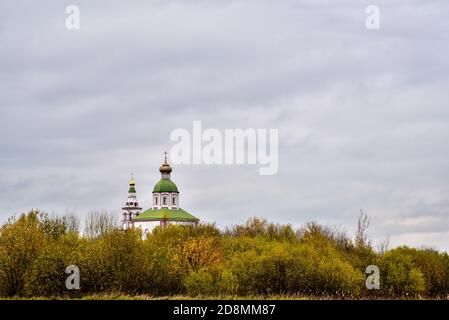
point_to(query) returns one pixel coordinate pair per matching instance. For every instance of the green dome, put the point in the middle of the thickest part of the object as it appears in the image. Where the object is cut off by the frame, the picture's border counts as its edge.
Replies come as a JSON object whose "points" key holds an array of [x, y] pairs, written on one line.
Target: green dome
{"points": [[165, 185]]}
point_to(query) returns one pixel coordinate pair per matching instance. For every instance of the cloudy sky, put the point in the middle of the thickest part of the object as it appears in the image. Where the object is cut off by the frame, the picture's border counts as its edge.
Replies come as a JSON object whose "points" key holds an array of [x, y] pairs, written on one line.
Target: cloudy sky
{"points": [[363, 115]]}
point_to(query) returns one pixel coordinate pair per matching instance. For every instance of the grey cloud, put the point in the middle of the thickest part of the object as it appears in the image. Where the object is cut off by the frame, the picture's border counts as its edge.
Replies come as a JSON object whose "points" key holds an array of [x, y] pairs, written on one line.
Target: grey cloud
{"points": [[362, 114]]}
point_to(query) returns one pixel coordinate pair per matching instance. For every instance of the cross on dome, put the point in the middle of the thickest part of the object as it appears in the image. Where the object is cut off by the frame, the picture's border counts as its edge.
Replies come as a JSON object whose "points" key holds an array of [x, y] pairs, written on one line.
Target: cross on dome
{"points": [[165, 168]]}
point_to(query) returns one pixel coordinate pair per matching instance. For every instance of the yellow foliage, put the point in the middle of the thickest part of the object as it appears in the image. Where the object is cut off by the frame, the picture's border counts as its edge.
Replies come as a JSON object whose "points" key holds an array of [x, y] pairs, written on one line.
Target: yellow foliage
{"points": [[194, 254]]}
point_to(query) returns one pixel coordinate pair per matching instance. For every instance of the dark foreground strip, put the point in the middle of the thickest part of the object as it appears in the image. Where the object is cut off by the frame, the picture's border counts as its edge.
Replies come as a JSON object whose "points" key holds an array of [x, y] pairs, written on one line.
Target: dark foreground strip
{"points": [[221, 309]]}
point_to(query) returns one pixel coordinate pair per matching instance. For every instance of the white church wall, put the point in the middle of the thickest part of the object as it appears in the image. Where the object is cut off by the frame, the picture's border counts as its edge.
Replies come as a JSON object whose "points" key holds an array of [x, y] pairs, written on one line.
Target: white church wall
{"points": [[148, 226]]}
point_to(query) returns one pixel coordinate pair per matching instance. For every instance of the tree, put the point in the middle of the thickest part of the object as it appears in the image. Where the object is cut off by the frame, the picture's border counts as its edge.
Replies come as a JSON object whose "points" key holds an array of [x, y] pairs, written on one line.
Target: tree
{"points": [[72, 222], [361, 239], [21, 241], [382, 246], [99, 223]]}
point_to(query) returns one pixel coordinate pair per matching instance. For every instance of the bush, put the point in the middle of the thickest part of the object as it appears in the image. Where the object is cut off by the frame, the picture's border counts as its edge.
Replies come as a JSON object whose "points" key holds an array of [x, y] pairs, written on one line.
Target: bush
{"points": [[21, 242], [256, 227], [231, 246], [115, 262], [47, 276], [201, 282], [295, 269], [430, 264], [445, 259], [193, 255], [400, 276], [255, 258], [174, 234]]}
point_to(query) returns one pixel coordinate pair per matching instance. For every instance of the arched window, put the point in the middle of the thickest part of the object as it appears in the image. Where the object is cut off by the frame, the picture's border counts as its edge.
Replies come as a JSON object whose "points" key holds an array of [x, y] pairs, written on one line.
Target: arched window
{"points": [[165, 200]]}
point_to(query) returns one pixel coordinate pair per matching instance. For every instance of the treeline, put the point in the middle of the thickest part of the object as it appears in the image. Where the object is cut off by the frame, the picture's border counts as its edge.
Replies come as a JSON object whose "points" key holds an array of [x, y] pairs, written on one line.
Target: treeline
{"points": [[257, 258]]}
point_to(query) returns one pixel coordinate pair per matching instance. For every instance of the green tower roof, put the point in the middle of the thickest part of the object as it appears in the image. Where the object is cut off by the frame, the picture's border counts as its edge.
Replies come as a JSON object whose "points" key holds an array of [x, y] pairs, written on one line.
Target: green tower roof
{"points": [[165, 185], [165, 214]]}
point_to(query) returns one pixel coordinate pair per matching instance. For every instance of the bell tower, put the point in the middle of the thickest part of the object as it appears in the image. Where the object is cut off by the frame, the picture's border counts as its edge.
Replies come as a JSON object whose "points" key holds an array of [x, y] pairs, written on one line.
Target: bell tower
{"points": [[131, 208]]}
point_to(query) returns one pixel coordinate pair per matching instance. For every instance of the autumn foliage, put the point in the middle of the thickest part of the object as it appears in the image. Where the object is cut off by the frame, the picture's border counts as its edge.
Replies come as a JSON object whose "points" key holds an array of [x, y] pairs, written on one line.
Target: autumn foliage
{"points": [[257, 258]]}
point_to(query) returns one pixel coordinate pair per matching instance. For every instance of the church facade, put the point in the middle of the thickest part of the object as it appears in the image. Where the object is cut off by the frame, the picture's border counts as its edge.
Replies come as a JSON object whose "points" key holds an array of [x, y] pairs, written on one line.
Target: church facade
{"points": [[165, 209]]}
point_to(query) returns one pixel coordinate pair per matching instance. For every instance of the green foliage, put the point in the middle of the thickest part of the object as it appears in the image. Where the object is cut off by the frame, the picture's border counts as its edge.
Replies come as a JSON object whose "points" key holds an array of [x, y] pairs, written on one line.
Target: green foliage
{"points": [[179, 251], [21, 242], [256, 227], [202, 282], [426, 269], [256, 258], [401, 277], [53, 227], [178, 233], [296, 269], [115, 262], [46, 275]]}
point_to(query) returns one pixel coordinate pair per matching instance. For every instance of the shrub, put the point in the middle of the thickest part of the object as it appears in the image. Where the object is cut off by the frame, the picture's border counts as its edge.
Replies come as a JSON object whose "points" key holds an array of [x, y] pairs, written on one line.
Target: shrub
{"points": [[445, 259], [201, 282], [295, 269], [21, 241], [431, 264], [46, 276], [255, 258], [231, 246], [193, 255], [115, 262], [174, 234], [400, 276], [158, 264], [256, 227]]}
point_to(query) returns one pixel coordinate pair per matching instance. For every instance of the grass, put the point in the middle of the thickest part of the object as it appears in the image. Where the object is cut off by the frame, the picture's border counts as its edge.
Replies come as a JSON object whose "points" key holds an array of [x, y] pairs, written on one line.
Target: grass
{"points": [[119, 296]]}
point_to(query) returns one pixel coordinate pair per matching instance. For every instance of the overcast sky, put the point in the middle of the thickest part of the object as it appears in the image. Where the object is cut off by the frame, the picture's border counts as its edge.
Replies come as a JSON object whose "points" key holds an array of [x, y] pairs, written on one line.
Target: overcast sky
{"points": [[363, 115]]}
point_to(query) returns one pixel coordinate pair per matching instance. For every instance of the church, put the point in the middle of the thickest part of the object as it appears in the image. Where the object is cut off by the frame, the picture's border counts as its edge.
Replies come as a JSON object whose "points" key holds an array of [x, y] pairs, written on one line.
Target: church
{"points": [[165, 209]]}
